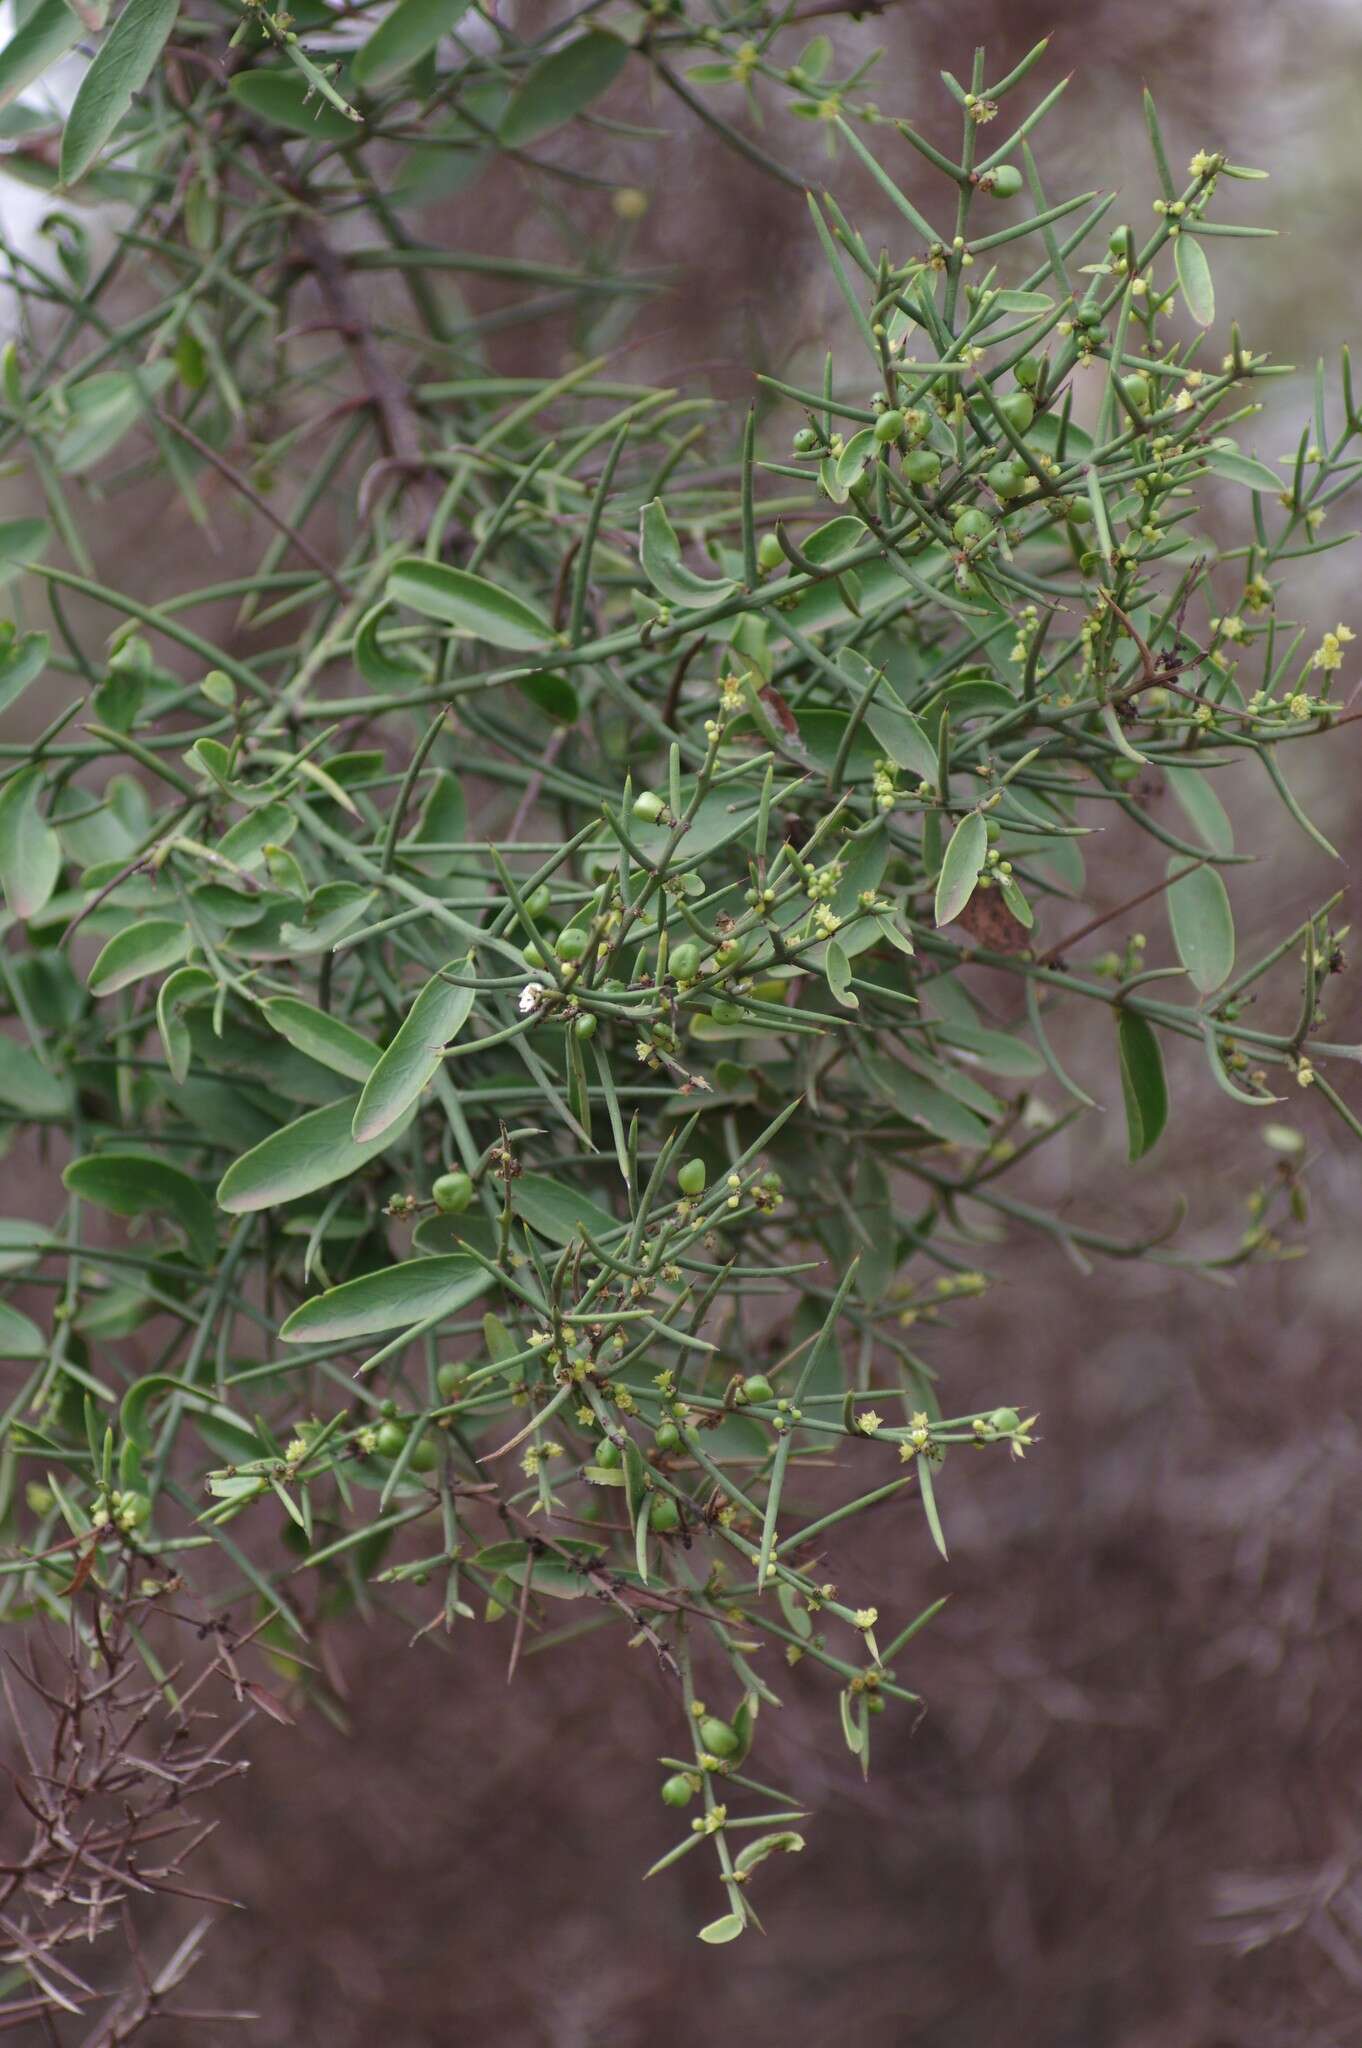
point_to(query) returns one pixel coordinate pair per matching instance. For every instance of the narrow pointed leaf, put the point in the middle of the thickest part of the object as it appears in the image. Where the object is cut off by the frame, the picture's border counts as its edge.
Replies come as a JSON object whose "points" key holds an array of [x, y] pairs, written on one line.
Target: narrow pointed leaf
{"points": [[1194, 276], [1143, 1086], [563, 85], [960, 868], [413, 1059], [123, 63], [134, 1184]]}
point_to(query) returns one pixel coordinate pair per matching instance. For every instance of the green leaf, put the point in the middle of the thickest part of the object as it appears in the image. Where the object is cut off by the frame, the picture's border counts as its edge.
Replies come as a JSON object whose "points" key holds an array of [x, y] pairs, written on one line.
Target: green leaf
{"points": [[1194, 275], [136, 951], [30, 851], [22, 540], [49, 32], [27, 1085], [562, 85], [923, 1104], [123, 63], [554, 695], [1224, 459], [1202, 924], [305, 1155], [470, 604], [727, 1929], [286, 100], [904, 738], [392, 1300], [660, 553], [555, 1211], [21, 663], [411, 1062], [960, 868], [1143, 1086], [20, 1337], [1202, 807], [380, 669], [322, 1037], [837, 968], [412, 30], [187, 985], [134, 1184], [101, 409]]}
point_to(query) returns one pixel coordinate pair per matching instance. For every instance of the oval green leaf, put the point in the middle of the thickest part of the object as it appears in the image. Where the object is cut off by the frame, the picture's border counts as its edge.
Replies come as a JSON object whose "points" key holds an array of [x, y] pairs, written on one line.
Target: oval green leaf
{"points": [[308, 1154], [20, 1336], [285, 100], [322, 1037], [1194, 275], [399, 1298], [1143, 1087], [960, 868], [659, 551], [409, 33], [123, 63], [562, 85], [138, 950], [470, 604], [30, 851], [133, 1184], [1202, 924], [413, 1059]]}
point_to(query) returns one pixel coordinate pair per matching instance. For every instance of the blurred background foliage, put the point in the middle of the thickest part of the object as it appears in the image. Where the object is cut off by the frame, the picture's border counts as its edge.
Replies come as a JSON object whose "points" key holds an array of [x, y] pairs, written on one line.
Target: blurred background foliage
{"points": [[1132, 1814]]}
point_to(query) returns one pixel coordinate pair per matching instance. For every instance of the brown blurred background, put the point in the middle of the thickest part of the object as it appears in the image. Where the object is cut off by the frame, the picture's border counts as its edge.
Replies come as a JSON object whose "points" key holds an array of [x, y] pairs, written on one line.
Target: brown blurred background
{"points": [[1132, 1815]]}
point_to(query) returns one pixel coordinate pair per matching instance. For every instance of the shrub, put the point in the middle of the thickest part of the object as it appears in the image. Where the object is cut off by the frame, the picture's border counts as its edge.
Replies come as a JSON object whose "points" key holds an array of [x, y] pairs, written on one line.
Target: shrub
{"points": [[534, 981]]}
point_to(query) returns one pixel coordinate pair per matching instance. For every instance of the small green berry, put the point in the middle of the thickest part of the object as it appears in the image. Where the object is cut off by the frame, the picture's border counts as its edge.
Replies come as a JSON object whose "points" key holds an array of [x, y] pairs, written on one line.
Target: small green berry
{"points": [[426, 1455], [665, 1519], [718, 1738], [805, 441], [585, 1025], [571, 942], [1028, 371], [1018, 409], [770, 554], [648, 805], [972, 524], [888, 427], [1007, 479], [1004, 183], [1004, 1420], [608, 1455], [922, 466], [756, 1387], [452, 1193], [677, 1791], [449, 1377], [391, 1438], [684, 961], [667, 1437], [691, 1176]]}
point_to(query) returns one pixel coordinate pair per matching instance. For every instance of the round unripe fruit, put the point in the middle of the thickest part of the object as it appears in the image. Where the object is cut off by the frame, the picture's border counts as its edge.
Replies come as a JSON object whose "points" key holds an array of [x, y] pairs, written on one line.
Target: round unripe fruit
{"points": [[1118, 241], [648, 805], [1124, 771], [426, 1455], [538, 901], [756, 1387], [1004, 1419], [805, 441], [1004, 183], [888, 427], [449, 1377], [1079, 512], [684, 961], [452, 1193], [1018, 409], [1088, 316], [1027, 371], [691, 1177], [770, 554], [391, 1438], [534, 956], [1139, 391], [1008, 479], [677, 1791], [667, 1437], [665, 1519], [717, 1738], [972, 524], [608, 1454], [725, 1013], [571, 943], [585, 1025], [922, 466]]}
